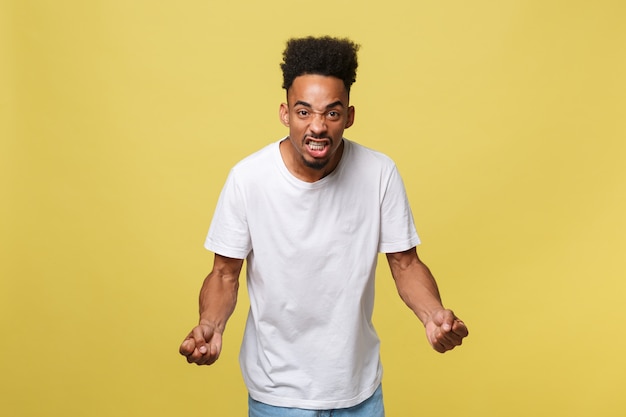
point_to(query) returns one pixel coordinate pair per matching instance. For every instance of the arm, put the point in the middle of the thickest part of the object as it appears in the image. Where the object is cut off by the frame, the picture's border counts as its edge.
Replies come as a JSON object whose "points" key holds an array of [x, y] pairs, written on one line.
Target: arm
{"points": [[218, 298], [418, 289]]}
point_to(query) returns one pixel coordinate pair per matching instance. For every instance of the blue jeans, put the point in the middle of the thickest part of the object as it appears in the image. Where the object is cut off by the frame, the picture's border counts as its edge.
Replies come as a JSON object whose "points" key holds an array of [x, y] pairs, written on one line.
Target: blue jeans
{"points": [[372, 407]]}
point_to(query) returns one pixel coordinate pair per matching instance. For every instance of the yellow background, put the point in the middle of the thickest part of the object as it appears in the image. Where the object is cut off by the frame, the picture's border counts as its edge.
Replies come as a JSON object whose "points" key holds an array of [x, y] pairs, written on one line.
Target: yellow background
{"points": [[120, 119]]}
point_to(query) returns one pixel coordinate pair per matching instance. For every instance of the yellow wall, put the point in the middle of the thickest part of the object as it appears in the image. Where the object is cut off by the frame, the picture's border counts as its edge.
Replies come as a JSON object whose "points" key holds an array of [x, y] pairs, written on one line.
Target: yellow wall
{"points": [[120, 118]]}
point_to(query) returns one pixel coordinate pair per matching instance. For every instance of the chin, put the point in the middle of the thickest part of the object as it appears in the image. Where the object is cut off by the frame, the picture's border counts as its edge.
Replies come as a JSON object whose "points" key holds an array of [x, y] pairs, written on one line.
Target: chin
{"points": [[315, 164]]}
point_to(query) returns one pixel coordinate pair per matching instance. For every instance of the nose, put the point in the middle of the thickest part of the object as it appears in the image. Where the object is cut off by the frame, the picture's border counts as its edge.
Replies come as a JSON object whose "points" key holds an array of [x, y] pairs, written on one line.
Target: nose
{"points": [[318, 123]]}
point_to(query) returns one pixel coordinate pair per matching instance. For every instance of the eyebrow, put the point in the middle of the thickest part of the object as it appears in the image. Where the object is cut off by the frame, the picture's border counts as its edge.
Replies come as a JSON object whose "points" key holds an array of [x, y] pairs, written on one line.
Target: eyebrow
{"points": [[330, 106]]}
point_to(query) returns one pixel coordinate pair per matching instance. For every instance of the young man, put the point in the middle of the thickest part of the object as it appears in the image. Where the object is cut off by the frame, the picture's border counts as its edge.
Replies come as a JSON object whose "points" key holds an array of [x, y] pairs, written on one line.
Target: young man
{"points": [[310, 213]]}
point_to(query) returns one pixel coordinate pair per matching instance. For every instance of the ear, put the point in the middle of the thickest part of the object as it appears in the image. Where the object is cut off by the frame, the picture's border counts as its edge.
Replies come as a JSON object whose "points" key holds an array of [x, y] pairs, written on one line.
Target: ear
{"points": [[283, 113], [350, 120]]}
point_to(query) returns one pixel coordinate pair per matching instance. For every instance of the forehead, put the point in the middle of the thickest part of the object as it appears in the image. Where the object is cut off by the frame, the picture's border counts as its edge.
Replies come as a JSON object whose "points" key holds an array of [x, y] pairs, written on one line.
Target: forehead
{"points": [[318, 90]]}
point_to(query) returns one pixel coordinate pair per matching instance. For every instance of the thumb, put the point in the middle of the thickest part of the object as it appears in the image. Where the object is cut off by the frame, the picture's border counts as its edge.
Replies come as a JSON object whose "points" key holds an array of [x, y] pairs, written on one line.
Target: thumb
{"points": [[444, 319], [201, 336]]}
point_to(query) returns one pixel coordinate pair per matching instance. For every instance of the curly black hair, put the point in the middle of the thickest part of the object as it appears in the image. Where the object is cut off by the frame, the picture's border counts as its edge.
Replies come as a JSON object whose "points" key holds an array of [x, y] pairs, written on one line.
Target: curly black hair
{"points": [[322, 56]]}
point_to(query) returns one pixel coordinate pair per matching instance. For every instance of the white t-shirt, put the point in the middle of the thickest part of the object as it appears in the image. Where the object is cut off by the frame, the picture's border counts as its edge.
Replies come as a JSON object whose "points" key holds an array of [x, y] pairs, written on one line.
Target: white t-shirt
{"points": [[311, 252]]}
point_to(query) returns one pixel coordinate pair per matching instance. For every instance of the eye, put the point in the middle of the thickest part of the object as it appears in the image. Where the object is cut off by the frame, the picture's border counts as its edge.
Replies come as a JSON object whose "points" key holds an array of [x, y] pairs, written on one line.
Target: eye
{"points": [[333, 115], [302, 113]]}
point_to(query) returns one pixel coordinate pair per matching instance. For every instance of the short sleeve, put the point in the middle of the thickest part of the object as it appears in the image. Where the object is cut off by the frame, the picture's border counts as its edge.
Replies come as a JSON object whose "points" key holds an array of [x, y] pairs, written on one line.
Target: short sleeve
{"points": [[397, 228], [229, 233]]}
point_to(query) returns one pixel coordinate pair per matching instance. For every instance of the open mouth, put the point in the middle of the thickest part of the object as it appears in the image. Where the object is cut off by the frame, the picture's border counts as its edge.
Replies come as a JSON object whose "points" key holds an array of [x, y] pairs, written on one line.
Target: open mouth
{"points": [[316, 147]]}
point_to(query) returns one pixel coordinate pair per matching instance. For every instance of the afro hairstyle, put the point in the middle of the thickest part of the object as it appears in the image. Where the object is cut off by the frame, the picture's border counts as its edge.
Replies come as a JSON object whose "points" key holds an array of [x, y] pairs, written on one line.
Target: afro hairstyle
{"points": [[325, 55]]}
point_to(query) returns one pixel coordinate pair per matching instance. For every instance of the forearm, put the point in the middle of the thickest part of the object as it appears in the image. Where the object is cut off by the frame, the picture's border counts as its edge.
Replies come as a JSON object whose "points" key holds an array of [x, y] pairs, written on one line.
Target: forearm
{"points": [[415, 284], [417, 287], [218, 295]]}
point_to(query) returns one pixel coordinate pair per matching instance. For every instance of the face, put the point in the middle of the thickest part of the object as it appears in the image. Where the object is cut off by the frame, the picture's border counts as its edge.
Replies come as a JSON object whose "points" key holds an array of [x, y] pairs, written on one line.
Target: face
{"points": [[317, 112]]}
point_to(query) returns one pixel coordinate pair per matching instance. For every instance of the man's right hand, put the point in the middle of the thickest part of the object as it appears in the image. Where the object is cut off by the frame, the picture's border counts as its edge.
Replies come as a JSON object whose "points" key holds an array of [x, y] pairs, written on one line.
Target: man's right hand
{"points": [[203, 345]]}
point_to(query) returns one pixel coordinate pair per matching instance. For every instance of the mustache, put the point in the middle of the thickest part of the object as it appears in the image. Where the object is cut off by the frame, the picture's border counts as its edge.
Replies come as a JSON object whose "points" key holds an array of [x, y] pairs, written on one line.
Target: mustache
{"points": [[317, 137]]}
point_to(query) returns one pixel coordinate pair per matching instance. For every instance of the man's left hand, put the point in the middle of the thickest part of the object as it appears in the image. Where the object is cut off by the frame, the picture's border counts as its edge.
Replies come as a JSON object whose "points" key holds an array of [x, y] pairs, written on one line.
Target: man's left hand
{"points": [[445, 331]]}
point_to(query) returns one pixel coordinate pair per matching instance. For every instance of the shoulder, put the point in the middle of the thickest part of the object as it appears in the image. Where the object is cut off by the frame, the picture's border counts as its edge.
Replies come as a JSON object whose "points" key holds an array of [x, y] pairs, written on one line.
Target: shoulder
{"points": [[260, 157], [256, 165], [368, 158]]}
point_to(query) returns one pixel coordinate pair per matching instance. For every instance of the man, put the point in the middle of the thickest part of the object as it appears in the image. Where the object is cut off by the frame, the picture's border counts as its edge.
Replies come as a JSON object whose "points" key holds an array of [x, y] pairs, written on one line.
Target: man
{"points": [[310, 213]]}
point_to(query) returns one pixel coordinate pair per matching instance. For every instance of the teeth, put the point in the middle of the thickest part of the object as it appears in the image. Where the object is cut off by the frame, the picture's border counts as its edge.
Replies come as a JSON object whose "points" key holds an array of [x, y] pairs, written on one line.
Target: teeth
{"points": [[316, 146]]}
